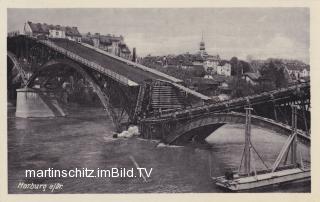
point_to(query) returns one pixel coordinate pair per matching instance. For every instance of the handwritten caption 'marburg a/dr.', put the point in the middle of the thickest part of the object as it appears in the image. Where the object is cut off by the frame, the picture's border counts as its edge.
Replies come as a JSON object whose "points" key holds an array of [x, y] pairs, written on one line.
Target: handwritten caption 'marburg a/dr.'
{"points": [[40, 187]]}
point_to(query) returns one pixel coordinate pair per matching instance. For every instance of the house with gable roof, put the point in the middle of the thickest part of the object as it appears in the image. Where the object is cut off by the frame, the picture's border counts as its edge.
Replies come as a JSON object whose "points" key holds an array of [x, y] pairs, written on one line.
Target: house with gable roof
{"points": [[109, 43], [52, 31]]}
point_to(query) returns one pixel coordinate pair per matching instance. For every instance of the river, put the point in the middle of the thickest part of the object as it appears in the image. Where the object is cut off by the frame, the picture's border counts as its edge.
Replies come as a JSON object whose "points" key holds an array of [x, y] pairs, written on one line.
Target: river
{"points": [[84, 140]]}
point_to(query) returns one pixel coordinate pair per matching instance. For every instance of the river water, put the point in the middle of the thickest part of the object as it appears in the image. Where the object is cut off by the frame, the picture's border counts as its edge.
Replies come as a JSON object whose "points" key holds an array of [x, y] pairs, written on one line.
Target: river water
{"points": [[84, 140]]}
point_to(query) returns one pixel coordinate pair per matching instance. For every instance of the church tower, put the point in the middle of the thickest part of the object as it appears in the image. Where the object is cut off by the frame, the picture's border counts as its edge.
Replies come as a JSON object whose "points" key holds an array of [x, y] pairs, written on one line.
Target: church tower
{"points": [[202, 47]]}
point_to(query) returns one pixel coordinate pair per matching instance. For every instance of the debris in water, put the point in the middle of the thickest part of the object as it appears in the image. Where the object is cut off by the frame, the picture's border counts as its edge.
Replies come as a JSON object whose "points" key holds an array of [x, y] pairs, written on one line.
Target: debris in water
{"points": [[161, 144], [132, 131]]}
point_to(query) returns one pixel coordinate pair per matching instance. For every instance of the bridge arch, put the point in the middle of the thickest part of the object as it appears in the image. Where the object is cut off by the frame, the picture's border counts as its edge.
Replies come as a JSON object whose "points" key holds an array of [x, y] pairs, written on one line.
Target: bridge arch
{"points": [[16, 65], [202, 126], [51, 64]]}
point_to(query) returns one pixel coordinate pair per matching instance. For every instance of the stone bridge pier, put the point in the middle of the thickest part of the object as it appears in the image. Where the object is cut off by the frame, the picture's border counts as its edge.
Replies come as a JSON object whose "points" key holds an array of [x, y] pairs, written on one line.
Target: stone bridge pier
{"points": [[37, 103]]}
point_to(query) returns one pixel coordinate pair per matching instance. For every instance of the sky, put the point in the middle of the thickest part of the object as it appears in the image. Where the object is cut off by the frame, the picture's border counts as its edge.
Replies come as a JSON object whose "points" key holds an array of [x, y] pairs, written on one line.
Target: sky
{"points": [[258, 33]]}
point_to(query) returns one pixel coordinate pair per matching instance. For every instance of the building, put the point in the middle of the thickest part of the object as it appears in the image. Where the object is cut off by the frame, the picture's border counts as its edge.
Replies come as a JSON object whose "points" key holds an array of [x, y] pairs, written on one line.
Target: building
{"points": [[197, 60], [224, 68], [200, 62], [297, 72], [57, 33], [109, 43], [211, 63], [223, 91], [305, 72], [202, 48], [13, 33], [51, 31]]}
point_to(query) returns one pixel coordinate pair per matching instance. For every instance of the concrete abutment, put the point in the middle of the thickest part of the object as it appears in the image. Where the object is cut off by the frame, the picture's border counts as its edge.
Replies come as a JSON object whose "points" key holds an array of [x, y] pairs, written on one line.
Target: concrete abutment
{"points": [[36, 103]]}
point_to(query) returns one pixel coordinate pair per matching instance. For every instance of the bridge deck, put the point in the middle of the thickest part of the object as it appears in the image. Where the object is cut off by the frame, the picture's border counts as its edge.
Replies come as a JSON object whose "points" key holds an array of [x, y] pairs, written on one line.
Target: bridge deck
{"points": [[133, 73], [237, 103]]}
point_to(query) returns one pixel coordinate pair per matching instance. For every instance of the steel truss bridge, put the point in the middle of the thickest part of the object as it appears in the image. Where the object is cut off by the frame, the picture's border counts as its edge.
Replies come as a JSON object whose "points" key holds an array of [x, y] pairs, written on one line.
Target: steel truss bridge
{"points": [[134, 94]]}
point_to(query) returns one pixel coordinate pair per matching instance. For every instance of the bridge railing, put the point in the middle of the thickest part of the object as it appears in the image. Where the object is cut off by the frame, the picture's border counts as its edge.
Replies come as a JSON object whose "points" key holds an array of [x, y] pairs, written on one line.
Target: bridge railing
{"points": [[112, 74], [88, 63], [235, 103], [136, 65]]}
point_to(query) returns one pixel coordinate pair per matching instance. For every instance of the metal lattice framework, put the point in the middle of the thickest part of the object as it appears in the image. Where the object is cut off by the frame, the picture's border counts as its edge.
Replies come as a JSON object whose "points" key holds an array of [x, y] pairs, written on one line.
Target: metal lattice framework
{"points": [[102, 92], [116, 93], [199, 122]]}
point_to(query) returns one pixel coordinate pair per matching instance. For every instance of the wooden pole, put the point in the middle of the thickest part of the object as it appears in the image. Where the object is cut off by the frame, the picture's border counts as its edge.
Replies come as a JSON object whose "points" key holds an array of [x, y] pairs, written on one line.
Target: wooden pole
{"points": [[291, 143], [294, 131], [247, 150], [304, 117]]}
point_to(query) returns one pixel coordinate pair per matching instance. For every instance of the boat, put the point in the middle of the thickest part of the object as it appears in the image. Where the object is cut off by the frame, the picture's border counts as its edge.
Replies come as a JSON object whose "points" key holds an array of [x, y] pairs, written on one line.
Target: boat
{"points": [[247, 177]]}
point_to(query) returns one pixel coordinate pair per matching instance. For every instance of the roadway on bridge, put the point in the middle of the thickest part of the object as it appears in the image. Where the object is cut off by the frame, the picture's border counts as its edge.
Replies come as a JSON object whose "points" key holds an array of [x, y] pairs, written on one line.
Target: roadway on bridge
{"points": [[133, 73]]}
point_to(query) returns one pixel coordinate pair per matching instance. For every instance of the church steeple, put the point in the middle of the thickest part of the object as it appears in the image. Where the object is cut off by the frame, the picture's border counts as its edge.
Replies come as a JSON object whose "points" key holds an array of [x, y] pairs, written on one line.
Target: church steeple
{"points": [[202, 47], [202, 44]]}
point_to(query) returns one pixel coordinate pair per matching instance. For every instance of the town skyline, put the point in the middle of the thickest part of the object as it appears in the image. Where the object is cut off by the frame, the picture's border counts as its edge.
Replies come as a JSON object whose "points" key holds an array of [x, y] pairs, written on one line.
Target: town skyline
{"points": [[260, 33]]}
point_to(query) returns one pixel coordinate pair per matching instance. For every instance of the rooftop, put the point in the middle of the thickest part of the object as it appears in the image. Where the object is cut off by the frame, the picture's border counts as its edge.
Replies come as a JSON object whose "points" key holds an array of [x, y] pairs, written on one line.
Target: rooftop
{"points": [[44, 28]]}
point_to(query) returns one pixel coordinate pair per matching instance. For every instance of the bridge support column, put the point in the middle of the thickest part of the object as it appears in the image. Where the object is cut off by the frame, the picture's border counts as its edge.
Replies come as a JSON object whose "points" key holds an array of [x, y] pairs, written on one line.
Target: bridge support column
{"points": [[36, 103]]}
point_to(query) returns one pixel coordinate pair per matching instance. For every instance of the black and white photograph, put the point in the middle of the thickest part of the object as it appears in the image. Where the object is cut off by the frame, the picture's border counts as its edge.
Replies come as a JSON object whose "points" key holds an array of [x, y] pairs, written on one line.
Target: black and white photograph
{"points": [[158, 100]]}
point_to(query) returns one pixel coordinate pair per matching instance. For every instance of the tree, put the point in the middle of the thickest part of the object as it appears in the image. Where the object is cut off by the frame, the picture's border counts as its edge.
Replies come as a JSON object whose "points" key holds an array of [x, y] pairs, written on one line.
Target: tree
{"points": [[274, 71], [234, 66], [238, 67], [240, 88], [245, 67]]}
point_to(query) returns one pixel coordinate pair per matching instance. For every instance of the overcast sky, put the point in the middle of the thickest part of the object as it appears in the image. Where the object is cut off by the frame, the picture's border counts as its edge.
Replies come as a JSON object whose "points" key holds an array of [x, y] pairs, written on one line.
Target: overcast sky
{"points": [[259, 32]]}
